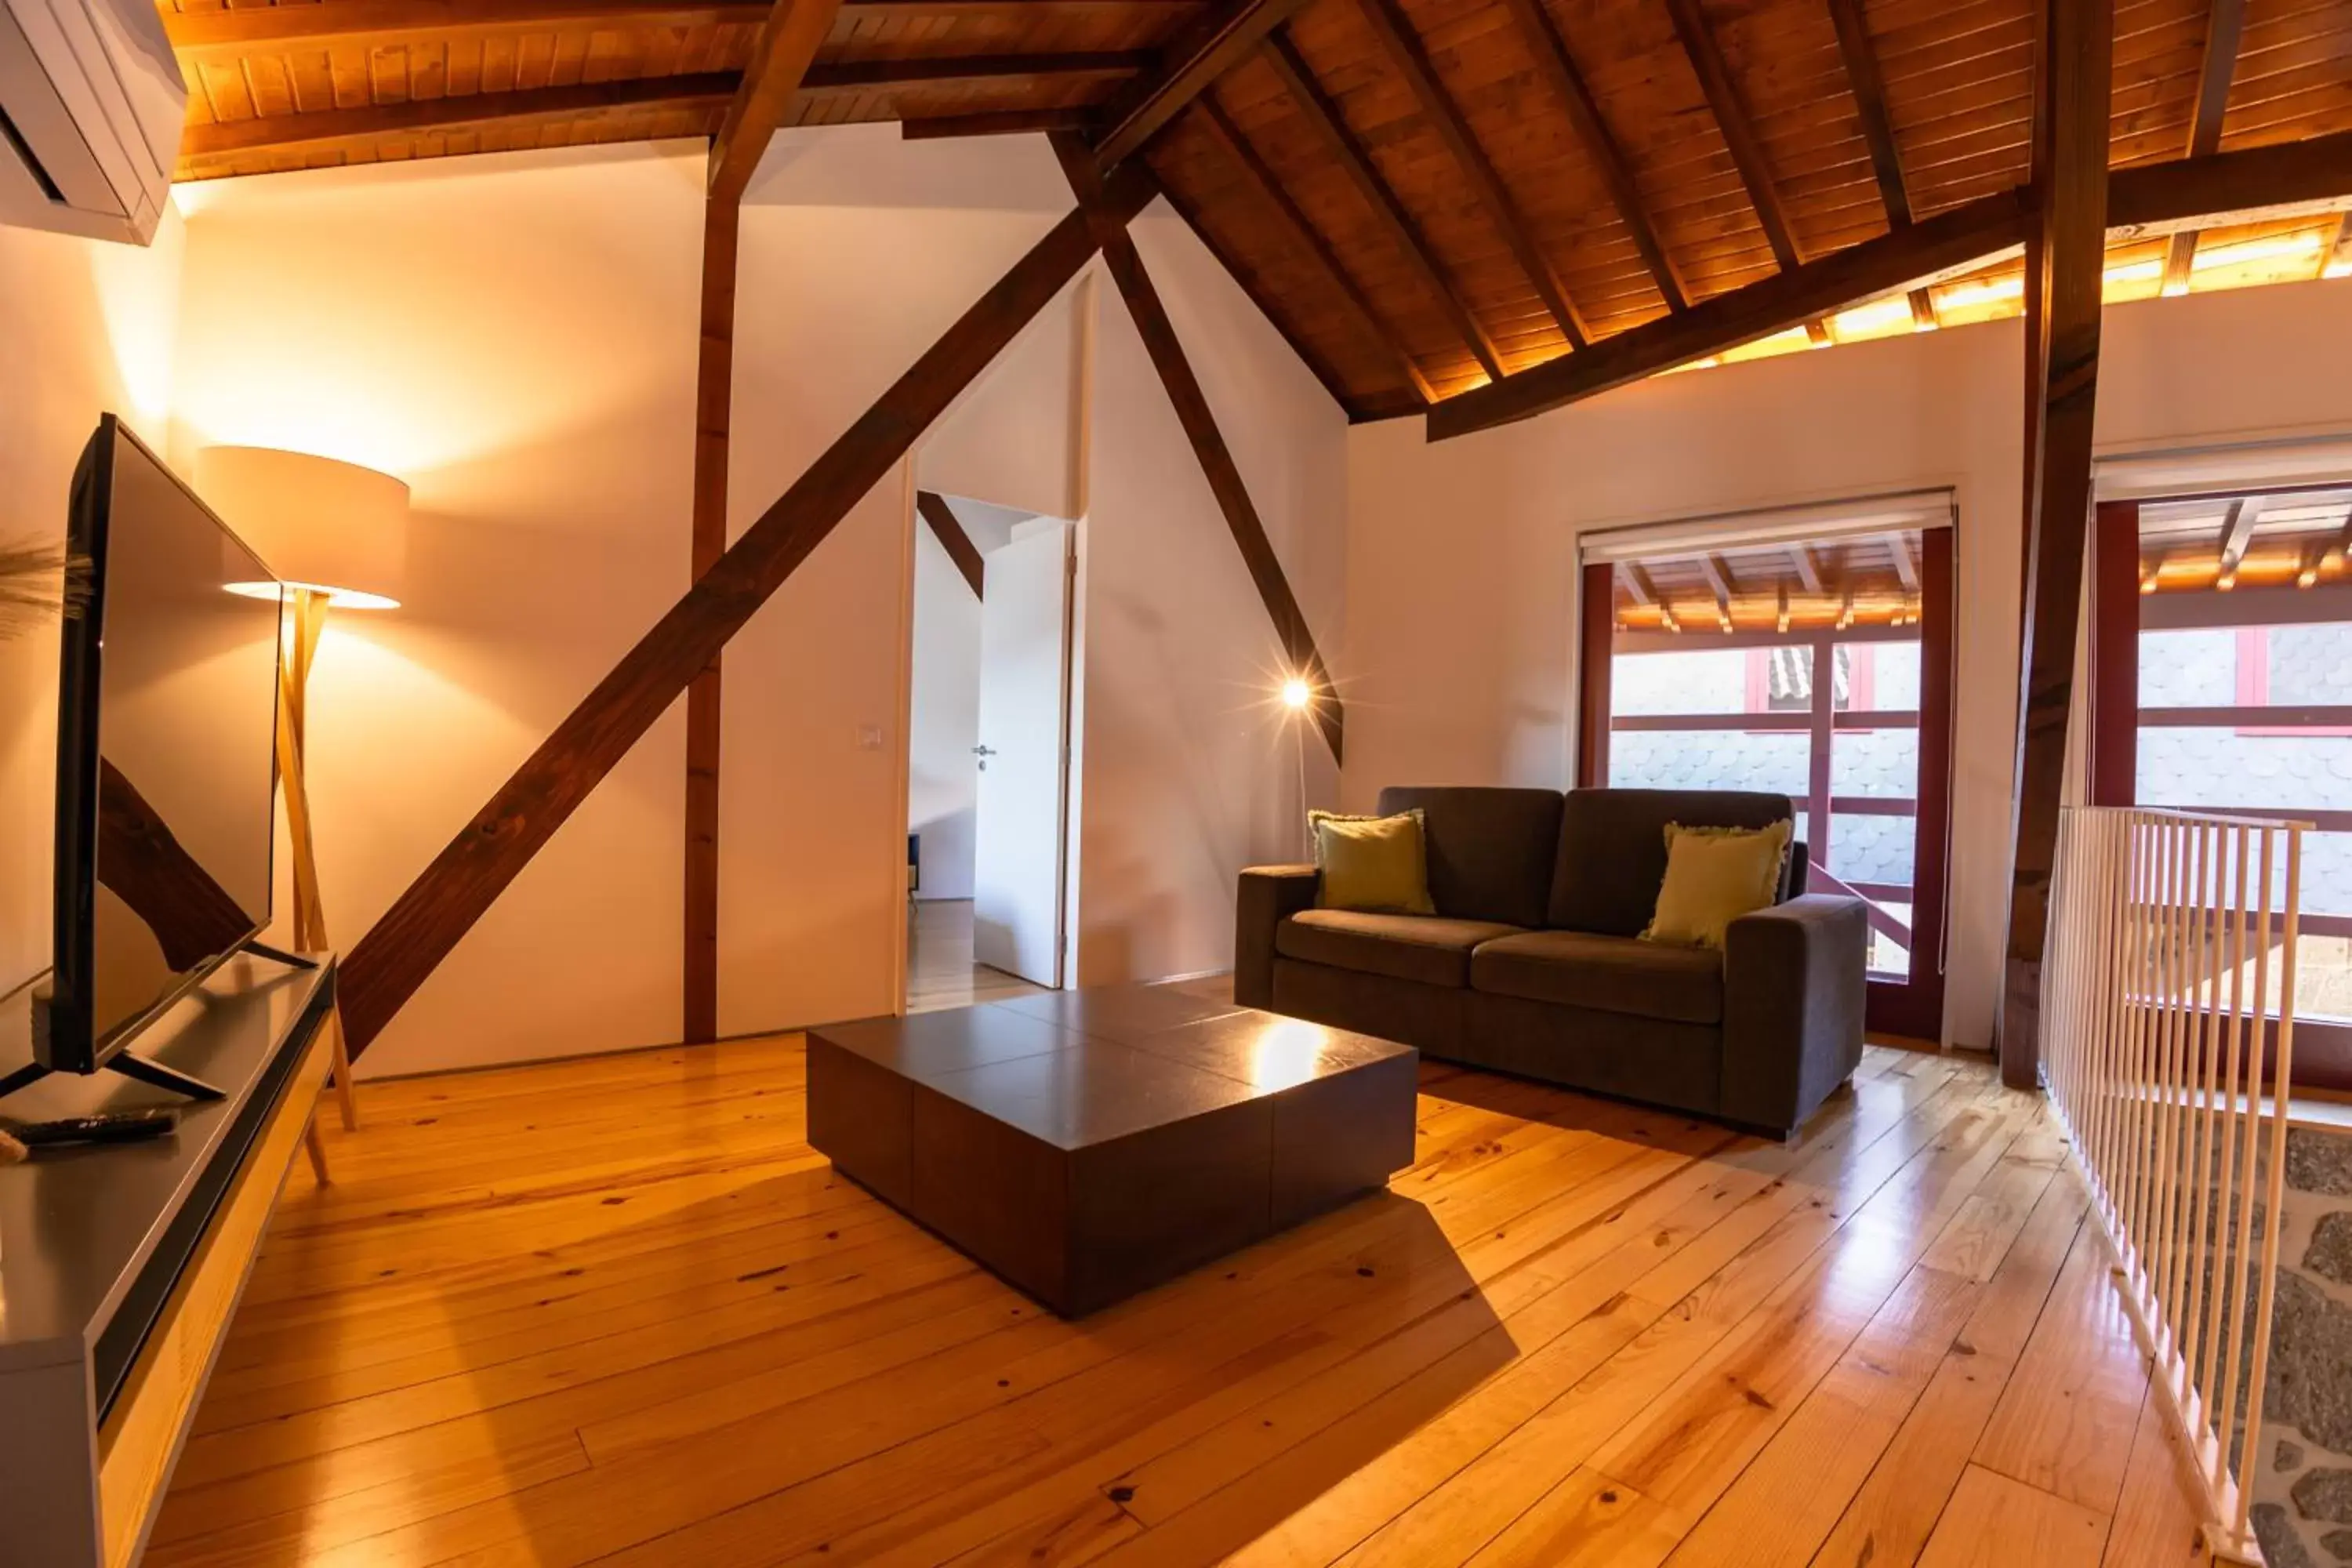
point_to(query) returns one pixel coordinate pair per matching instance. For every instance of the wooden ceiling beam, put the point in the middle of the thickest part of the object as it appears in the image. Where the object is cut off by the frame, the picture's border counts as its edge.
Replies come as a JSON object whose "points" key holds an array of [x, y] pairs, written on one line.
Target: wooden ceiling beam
{"points": [[1907, 566], [1339, 144], [2282, 180], [2237, 533], [948, 529], [2076, 88], [1268, 185], [1212, 46], [994, 123], [402, 950], [1718, 573], [786, 49], [1868, 85], [1559, 70], [1637, 583], [325, 127], [265, 29], [1125, 264], [1951, 242], [708, 90], [1403, 48], [1809, 569], [1739, 132]]}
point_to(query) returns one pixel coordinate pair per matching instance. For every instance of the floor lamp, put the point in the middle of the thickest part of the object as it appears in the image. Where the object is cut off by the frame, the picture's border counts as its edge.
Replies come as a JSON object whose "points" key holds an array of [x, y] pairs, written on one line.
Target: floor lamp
{"points": [[336, 535]]}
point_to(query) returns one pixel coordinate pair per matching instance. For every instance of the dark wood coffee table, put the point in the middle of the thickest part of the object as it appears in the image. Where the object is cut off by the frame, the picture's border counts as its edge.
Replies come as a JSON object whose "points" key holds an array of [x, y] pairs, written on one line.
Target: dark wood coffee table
{"points": [[1088, 1144]]}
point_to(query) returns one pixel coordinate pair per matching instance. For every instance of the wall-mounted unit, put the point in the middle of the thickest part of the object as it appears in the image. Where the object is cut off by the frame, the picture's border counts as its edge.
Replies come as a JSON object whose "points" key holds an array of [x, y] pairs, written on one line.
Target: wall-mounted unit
{"points": [[90, 105]]}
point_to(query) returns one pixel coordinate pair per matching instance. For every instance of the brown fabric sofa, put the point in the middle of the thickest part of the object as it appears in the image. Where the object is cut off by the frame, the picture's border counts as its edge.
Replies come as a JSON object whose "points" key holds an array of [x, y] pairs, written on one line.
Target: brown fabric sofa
{"points": [[1530, 964]]}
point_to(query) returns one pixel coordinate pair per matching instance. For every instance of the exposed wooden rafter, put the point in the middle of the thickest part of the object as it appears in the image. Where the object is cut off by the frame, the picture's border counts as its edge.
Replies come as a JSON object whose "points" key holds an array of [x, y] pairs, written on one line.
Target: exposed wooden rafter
{"points": [[1568, 84], [713, 416], [403, 947], [1211, 47], [1868, 85], [1718, 574], [1906, 565], [1405, 51], [2077, 87], [1954, 241], [1124, 264], [1809, 568], [2285, 179], [1339, 144], [2225, 27], [948, 529], [2237, 533], [1738, 133], [1228, 137]]}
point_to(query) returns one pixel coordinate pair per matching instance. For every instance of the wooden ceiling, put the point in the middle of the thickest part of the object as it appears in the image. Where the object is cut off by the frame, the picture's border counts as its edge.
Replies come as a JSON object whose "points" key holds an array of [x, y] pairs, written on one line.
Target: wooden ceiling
{"points": [[1424, 196]]}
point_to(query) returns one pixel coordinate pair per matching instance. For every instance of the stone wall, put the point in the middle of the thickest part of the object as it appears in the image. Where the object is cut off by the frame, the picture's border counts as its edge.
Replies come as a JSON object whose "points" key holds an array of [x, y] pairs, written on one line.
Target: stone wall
{"points": [[2303, 1485]]}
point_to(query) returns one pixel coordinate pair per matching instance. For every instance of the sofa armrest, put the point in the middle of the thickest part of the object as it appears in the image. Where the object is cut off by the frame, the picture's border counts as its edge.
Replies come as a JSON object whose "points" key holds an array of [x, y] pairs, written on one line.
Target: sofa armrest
{"points": [[1794, 980], [1269, 894]]}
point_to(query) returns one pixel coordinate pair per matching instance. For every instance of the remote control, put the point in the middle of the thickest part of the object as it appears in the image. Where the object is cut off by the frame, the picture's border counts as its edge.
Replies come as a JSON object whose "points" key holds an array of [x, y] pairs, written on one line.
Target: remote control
{"points": [[114, 1127]]}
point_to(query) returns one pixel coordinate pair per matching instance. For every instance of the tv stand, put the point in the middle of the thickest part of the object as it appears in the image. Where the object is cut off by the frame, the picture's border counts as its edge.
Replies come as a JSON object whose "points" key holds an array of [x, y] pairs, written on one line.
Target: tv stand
{"points": [[280, 955]]}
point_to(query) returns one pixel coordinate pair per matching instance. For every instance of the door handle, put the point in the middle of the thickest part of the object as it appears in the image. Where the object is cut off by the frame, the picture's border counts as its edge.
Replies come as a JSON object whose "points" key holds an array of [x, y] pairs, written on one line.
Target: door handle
{"points": [[984, 754]]}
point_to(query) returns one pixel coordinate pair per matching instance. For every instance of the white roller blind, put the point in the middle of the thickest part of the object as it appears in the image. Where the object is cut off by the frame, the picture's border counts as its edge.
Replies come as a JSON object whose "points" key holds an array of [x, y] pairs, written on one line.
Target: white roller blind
{"points": [[2250, 465], [1779, 525]]}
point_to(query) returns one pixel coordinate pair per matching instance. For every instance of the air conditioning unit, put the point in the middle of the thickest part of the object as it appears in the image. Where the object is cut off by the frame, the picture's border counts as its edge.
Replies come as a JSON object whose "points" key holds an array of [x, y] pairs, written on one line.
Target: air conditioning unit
{"points": [[90, 105]]}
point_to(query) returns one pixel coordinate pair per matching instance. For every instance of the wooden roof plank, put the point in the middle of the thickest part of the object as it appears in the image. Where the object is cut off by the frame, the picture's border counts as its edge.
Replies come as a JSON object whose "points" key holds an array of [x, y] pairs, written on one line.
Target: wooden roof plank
{"points": [[1212, 46], [1340, 144], [1229, 136], [1405, 51], [1552, 63], [514, 110], [2225, 27], [1869, 89]]}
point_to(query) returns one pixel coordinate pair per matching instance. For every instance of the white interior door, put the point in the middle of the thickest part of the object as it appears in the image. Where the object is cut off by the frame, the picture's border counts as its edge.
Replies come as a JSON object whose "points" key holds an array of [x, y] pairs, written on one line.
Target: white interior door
{"points": [[1025, 687]]}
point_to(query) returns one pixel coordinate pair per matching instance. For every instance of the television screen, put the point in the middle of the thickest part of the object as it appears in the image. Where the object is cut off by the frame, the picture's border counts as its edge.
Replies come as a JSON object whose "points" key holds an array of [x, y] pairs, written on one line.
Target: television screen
{"points": [[166, 753]]}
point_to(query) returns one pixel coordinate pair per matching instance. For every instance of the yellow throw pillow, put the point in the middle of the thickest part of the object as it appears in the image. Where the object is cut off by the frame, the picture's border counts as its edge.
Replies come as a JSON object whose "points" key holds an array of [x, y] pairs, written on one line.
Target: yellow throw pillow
{"points": [[1371, 863], [1714, 875]]}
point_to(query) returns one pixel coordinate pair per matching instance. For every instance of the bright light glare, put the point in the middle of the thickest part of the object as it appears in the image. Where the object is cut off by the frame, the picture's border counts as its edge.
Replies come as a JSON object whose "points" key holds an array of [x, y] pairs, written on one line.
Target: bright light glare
{"points": [[1296, 693], [337, 598]]}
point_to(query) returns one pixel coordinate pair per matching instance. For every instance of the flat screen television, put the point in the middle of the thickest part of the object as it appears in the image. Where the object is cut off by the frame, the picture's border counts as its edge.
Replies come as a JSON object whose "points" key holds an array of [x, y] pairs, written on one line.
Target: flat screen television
{"points": [[166, 775]]}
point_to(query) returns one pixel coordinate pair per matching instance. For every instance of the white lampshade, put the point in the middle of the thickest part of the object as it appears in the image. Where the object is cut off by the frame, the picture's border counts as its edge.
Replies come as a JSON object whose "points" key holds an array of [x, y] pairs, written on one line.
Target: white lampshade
{"points": [[332, 526]]}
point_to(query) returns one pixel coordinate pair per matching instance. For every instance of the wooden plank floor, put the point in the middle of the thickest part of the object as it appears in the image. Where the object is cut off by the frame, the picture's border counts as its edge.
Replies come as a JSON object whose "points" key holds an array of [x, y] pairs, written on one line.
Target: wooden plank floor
{"points": [[617, 1311], [940, 971]]}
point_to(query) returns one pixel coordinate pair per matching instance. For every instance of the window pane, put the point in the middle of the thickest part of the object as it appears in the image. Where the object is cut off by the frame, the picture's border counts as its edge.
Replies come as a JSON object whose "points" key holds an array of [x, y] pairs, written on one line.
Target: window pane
{"points": [[1872, 848], [2309, 666], [1710, 758], [1709, 680], [2228, 768], [1889, 958], [1881, 765], [2189, 669], [1885, 677]]}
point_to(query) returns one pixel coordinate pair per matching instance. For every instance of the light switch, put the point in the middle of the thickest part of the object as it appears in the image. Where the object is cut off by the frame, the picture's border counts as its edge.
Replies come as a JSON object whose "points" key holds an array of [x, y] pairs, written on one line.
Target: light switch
{"points": [[869, 737]]}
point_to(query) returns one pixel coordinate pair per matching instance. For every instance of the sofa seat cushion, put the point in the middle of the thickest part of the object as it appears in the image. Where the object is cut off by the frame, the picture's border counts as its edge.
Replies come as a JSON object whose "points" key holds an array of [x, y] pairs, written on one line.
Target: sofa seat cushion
{"points": [[1429, 948], [1606, 973]]}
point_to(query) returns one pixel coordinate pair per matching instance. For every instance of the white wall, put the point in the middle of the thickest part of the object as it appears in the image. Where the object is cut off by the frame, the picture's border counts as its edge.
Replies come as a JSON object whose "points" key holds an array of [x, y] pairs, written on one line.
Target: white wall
{"points": [[86, 328], [1461, 563], [1189, 764], [943, 720], [514, 335]]}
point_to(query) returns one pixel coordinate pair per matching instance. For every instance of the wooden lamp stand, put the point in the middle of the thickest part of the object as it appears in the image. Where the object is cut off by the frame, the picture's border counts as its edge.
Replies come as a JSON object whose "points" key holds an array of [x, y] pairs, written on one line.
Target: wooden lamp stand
{"points": [[307, 620]]}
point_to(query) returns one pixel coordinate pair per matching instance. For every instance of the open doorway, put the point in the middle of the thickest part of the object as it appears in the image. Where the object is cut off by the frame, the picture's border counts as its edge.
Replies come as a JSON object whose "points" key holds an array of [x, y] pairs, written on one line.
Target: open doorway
{"points": [[988, 753]]}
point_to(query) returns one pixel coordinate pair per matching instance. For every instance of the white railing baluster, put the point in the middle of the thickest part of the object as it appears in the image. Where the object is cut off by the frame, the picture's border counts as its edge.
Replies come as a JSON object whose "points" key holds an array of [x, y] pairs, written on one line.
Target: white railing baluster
{"points": [[2170, 1063]]}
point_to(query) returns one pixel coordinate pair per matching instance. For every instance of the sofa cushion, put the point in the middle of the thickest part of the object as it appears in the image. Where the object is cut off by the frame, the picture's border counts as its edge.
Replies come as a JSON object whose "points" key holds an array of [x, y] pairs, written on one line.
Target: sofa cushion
{"points": [[1491, 851], [1429, 948], [1611, 855], [1604, 973]]}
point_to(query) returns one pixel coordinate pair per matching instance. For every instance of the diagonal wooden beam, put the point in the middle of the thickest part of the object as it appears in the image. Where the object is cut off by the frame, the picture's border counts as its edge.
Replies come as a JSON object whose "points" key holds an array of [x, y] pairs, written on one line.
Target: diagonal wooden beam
{"points": [[949, 529], [1951, 242], [401, 950], [1224, 475], [1809, 568], [2077, 87], [1718, 573], [2237, 533], [1263, 179], [1906, 565], [2225, 27], [1212, 46], [1340, 145], [1553, 64], [1405, 51], [781, 56], [1738, 133], [1637, 583]]}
